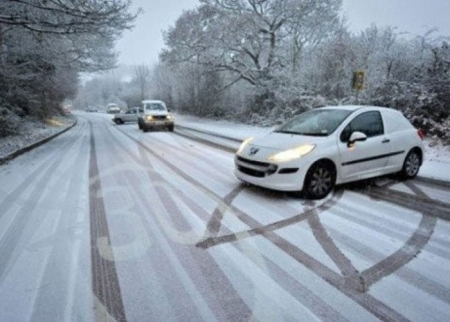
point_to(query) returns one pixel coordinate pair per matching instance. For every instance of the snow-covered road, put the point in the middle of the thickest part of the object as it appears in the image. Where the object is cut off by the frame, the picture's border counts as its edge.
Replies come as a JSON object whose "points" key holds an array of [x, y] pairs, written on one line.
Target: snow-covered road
{"points": [[107, 222]]}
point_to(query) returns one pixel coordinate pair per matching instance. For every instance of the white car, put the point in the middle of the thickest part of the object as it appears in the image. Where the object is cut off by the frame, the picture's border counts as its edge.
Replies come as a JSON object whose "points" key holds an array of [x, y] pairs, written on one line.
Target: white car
{"points": [[154, 114], [331, 145], [112, 108]]}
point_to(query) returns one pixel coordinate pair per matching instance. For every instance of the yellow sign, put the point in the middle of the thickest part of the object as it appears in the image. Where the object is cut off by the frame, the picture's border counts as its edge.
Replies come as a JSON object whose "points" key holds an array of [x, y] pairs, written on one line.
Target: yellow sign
{"points": [[358, 80]]}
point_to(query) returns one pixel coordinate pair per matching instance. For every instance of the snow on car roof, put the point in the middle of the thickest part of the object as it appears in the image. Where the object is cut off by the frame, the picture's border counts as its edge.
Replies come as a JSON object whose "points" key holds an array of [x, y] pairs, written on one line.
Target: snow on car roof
{"points": [[355, 107], [152, 101]]}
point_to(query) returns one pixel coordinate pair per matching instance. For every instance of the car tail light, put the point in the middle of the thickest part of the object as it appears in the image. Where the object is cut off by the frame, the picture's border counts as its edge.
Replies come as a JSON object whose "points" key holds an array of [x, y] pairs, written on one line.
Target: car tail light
{"points": [[421, 133]]}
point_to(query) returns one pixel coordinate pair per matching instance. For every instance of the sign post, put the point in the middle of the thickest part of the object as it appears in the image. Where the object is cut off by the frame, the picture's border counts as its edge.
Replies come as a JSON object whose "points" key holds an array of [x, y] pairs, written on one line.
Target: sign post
{"points": [[358, 82]]}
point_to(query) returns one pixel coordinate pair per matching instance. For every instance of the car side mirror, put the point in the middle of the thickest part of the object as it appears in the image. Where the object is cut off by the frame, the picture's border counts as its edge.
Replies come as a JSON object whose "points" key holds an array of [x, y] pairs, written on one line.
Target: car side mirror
{"points": [[355, 137]]}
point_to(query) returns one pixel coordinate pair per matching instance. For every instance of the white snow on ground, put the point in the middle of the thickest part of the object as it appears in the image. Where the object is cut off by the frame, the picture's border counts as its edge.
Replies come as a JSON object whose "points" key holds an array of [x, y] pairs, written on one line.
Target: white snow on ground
{"points": [[32, 132]]}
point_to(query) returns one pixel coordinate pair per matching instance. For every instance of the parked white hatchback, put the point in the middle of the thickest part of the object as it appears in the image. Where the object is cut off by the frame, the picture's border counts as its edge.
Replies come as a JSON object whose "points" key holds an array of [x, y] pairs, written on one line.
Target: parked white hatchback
{"points": [[331, 145]]}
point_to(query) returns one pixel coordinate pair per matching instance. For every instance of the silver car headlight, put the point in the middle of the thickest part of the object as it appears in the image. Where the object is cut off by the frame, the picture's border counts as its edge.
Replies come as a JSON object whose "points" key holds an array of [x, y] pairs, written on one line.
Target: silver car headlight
{"points": [[149, 118], [243, 144], [292, 154], [169, 117]]}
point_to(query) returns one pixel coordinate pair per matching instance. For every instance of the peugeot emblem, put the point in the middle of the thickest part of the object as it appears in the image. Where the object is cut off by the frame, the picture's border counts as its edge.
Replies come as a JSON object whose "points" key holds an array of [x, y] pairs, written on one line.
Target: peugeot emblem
{"points": [[253, 151]]}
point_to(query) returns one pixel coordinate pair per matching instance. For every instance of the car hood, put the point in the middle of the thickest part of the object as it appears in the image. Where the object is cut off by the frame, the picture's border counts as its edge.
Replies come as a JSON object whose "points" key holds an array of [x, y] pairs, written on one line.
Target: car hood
{"points": [[284, 141], [276, 142], [157, 113]]}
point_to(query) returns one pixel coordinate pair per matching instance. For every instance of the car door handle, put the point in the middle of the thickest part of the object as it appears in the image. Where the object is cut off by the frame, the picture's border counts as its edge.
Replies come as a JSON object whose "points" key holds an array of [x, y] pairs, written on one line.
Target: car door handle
{"points": [[386, 141]]}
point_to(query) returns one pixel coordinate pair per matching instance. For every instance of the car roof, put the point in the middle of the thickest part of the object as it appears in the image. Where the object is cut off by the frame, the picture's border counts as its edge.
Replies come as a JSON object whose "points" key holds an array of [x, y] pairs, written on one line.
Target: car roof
{"points": [[152, 101], [357, 107]]}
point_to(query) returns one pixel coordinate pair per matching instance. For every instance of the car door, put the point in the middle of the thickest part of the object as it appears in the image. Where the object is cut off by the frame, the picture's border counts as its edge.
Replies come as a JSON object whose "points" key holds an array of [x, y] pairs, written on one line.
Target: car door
{"points": [[130, 115], [367, 158]]}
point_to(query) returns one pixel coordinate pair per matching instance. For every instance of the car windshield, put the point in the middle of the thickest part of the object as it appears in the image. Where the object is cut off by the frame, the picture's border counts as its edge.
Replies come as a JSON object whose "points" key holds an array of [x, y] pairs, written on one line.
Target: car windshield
{"points": [[315, 122], [154, 107]]}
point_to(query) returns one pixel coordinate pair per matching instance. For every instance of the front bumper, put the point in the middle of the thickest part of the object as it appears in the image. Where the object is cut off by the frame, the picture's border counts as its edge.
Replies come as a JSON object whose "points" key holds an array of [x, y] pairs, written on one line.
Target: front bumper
{"points": [[158, 123], [282, 176]]}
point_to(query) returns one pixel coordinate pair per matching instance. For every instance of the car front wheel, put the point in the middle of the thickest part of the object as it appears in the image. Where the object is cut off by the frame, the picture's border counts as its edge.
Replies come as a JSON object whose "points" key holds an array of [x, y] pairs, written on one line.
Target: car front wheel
{"points": [[319, 181], [411, 165]]}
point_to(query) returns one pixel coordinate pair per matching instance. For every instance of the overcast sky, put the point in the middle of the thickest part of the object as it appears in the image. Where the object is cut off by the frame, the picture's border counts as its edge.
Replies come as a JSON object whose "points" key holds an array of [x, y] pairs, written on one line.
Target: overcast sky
{"points": [[143, 44]]}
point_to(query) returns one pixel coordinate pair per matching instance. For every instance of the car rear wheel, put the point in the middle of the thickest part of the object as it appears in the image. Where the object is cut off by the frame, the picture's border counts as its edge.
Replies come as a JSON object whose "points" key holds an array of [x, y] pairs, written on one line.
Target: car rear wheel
{"points": [[411, 165], [319, 181]]}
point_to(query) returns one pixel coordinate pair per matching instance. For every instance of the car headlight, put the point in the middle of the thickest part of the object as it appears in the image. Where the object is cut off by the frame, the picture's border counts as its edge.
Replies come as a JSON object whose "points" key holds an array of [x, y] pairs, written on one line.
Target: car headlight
{"points": [[149, 118], [292, 154], [243, 144], [169, 117]]}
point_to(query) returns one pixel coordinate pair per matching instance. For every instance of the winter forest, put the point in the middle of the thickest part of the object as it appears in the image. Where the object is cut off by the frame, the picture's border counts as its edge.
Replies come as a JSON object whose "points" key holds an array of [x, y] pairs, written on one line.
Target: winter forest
{"points": [[253, 61]]}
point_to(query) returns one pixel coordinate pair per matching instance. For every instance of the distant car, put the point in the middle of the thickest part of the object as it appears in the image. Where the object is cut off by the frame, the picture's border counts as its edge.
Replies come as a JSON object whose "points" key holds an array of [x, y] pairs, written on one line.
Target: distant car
{"points": [[154, 114], [332, 145], [128, 116], [112, 108], [91, 109]]}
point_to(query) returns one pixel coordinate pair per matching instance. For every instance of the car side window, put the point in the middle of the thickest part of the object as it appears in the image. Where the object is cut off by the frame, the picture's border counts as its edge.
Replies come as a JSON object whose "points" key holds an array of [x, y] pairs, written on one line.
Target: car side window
{"points": [[369, 123], [141, 109]]}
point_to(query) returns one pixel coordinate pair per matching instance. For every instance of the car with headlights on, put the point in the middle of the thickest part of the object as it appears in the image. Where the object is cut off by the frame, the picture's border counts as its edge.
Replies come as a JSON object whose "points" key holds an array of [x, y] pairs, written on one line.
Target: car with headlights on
{"points": [[323, 147], [154, 114]]}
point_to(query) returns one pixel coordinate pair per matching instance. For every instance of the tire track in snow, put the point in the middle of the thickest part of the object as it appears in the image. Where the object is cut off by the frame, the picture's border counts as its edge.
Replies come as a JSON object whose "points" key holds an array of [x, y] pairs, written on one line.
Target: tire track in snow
{"points": [[62, 244], [203, 273], [414, 245], [25, 222], [352, 286], [376, 307], [315, 303], [105, 283]]}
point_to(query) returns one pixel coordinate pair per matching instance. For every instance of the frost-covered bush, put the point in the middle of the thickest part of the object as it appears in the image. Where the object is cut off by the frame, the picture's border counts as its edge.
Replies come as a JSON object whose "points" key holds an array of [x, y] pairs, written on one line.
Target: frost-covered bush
{"points": [[437, 130], [426, 106], [9, 122], [278, 101]]}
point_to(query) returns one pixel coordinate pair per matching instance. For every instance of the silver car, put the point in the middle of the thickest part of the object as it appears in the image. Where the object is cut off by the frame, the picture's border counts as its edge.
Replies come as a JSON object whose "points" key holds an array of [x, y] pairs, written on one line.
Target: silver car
{"points": [[128, 116]]}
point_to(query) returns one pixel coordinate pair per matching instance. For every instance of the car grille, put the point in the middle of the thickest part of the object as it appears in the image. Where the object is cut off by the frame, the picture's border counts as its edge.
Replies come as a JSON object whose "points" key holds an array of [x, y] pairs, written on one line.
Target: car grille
{"points": [[159, 117], [255, 168]]}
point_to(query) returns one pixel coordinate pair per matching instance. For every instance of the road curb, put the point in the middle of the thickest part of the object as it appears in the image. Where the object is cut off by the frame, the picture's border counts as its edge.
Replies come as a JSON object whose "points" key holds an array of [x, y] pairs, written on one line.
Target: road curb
{"points": [[34, 145]]}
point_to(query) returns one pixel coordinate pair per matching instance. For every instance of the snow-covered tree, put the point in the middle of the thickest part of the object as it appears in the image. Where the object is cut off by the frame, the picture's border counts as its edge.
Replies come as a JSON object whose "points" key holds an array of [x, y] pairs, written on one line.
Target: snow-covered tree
{"points": [[44, 44]]}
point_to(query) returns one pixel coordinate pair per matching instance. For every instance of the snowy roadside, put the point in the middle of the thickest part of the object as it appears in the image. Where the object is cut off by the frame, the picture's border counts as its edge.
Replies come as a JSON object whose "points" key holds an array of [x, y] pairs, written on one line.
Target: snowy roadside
{"points": [[436, 165], [33, 134]]}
